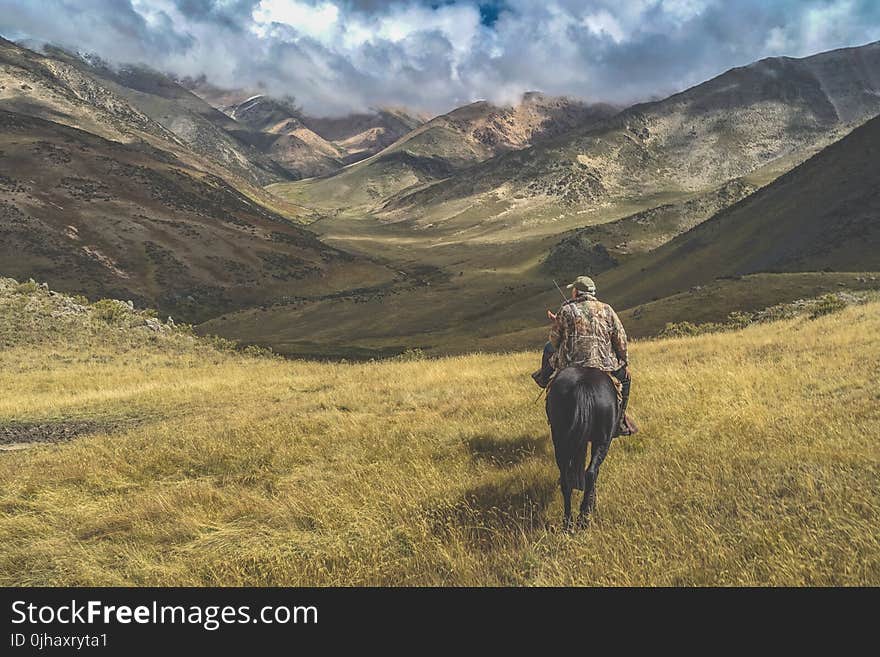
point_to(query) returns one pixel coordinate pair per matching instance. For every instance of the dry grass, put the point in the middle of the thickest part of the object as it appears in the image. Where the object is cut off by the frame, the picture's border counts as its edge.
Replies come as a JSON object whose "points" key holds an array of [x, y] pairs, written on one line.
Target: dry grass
{"points": [[258, 471]]}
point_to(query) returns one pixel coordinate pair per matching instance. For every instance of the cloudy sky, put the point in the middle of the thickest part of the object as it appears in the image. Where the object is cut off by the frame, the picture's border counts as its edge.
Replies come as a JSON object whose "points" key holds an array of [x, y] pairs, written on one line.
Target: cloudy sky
{"points": [[336, 56]]}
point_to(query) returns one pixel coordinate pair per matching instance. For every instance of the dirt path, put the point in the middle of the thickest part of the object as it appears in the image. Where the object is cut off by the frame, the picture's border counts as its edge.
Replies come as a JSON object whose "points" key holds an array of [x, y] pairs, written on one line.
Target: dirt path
{"points": [[23, 435]]}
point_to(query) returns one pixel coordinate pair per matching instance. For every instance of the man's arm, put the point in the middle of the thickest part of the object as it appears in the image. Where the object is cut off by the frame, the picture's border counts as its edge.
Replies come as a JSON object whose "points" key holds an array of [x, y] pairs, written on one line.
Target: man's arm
{"points": [[618, 338]]}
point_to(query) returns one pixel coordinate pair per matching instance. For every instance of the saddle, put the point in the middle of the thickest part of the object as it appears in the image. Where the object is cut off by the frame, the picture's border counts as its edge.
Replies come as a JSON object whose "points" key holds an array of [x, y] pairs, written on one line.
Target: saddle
{"points": [[544, 382]]}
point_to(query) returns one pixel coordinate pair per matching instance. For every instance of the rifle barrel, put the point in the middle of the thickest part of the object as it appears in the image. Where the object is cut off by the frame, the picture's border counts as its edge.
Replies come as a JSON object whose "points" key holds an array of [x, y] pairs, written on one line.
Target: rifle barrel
{"points": [[560, 290]]}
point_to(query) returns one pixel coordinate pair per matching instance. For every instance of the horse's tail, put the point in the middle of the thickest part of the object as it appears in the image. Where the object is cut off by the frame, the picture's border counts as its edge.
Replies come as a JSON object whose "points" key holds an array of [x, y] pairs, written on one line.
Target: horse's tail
{"points": [[578, 435], [572, 408]]}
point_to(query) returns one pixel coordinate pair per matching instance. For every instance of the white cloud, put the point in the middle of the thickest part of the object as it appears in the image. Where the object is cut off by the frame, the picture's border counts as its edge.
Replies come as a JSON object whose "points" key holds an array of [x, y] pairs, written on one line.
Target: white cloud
{"points": [[684, 10], [777, 41], [336, 56], [319, 21], [602, 23], [829, 22]]}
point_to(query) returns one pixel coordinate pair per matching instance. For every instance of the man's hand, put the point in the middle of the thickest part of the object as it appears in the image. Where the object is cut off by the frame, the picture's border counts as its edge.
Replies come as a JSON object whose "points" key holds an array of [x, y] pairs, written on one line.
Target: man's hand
{"points": [[551, 315]]}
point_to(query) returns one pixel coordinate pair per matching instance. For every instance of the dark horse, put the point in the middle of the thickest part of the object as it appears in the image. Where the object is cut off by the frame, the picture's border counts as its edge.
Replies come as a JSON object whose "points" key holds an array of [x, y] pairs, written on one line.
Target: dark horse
{"points": [[581, 408]]}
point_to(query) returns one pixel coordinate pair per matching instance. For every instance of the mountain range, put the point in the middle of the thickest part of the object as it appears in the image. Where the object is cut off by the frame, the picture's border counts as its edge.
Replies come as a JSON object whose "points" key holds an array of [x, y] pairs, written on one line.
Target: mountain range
{"points": [[445, 145], [306, 146], [106, 192], [732, 126], [316, 235]]}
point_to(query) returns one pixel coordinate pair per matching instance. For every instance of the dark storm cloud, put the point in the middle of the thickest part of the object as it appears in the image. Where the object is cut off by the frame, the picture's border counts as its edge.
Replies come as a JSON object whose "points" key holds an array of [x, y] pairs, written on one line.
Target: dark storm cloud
{"points": [[232, 15], [340, 55]]}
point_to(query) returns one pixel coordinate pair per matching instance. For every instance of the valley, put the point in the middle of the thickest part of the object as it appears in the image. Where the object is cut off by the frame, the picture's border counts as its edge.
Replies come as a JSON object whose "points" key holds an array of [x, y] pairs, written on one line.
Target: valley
{"points": [[443, 234], [603, 198]]}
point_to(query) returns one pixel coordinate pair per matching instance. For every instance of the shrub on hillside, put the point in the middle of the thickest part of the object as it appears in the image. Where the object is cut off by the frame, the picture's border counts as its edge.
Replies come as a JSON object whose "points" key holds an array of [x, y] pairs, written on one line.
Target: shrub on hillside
{"points": [[28, 287], [738, 320], [685, 329], [111, 310], [812, 308], [256, 351], [220, 343], [830, 303], [410, 355]]}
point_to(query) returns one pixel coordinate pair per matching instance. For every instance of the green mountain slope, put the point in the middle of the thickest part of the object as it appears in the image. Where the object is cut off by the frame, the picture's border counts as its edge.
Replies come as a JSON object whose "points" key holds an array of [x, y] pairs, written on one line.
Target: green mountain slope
{"points": [[65, 89], [595, 249], [822, 215], [56, 90]]}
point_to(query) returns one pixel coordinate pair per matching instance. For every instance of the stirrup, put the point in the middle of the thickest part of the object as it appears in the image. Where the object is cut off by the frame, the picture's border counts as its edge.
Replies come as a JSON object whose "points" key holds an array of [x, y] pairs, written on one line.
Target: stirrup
{"points": [[541, 381]]}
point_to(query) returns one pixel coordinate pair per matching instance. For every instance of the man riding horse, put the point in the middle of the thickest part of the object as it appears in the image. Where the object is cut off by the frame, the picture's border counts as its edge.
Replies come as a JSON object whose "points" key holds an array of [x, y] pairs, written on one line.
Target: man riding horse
{"points": [[587, 332]]}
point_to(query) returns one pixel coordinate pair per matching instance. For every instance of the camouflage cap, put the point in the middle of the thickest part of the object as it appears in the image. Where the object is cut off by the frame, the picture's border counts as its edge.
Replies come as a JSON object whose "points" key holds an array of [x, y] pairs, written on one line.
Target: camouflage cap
{"points": [[584, 284]]}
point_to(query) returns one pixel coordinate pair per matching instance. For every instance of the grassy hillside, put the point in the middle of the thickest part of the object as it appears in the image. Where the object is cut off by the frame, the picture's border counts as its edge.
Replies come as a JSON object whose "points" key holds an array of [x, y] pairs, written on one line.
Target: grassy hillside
{"points": [[774, 112], [107, 219], [821, 215], [599, 247], [205, 130], [61, 88], [55, 90], [756, 464], [714, 301], [468, 313], [126, 105]]}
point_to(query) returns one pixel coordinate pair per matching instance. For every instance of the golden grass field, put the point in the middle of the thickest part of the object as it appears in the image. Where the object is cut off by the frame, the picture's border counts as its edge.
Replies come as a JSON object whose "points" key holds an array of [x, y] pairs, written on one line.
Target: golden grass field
{"points": [[220, 468]]}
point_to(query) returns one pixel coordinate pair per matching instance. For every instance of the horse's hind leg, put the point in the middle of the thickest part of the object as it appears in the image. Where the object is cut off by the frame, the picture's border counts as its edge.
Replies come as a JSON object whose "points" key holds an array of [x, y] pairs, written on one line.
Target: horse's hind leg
{"points": [[588, 504], [566, 502]]}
